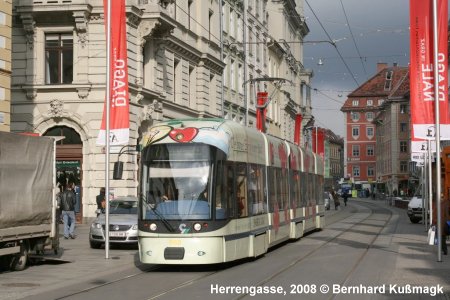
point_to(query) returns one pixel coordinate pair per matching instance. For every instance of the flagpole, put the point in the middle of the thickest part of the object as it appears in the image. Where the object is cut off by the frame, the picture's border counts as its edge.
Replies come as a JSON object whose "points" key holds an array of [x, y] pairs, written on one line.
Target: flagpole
{"points": [[438, 130], [108, 100]]}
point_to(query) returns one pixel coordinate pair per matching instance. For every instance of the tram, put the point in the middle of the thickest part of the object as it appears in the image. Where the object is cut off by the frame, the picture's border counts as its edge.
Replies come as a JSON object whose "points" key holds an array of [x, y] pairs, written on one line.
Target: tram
{"points": [[214, 191]]}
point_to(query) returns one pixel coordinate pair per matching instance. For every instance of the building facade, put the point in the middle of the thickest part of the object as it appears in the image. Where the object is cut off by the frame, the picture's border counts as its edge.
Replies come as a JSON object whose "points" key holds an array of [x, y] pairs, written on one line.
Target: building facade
{"points": [[393, 140], [185, 59], [360, 110], [5, 65]]}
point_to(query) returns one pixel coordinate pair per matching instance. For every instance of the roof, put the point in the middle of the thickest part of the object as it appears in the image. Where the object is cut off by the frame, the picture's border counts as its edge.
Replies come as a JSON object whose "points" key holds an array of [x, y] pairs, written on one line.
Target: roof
{"points": [[375, 87]]}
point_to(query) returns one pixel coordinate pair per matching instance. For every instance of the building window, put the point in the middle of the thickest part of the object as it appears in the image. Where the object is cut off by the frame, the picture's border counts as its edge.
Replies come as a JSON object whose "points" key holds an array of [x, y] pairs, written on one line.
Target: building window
{"points": [[2, 94], [189, 13], [2, 18], [355, 103], [2, 42], [370, 150], [369, 132], [403, 127], [355, 171], [58, 58], [355, 132], [369, 102], [403, 146], [380, 102], [355, 150], [370, 171], [2, 118], [388, 82], [403, 166], [369, 116], [355, 116]]}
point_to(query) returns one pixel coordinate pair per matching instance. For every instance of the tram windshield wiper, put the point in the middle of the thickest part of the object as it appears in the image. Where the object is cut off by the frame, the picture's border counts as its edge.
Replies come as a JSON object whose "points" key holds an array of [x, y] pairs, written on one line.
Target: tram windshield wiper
{"points": [[160, 217]]}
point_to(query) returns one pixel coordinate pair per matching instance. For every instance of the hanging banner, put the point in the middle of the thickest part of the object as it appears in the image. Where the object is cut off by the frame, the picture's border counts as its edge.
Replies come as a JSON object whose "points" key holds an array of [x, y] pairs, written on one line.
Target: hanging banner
{"points": [[422, 81], [298, 129], [261, 111], [119, 102], [319, 141]]}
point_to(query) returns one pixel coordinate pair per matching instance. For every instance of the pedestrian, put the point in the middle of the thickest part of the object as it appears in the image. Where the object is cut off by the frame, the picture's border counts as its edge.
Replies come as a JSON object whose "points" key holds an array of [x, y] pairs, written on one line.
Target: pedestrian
{"points": [[68, 201], [335, 196], [101, 200], [444, 226], [345, 196]]}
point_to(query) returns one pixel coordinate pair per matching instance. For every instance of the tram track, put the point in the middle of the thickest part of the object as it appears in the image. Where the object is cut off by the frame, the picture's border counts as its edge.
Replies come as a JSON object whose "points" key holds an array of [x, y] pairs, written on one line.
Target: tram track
{"points": [[333, 239]]}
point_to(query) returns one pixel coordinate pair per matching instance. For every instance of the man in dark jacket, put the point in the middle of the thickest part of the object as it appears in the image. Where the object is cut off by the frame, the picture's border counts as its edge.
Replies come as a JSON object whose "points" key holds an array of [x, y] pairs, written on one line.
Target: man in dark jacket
{"points": [[100, 200], [68, 201]]}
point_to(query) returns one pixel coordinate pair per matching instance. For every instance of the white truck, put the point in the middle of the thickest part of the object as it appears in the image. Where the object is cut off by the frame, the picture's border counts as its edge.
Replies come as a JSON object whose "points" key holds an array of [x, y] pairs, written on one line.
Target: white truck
{"points": [[27, 198]]}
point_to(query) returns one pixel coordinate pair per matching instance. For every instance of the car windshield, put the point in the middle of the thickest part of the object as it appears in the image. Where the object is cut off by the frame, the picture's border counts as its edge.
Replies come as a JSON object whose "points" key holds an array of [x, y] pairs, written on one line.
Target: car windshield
{"points": [[123, 207]]}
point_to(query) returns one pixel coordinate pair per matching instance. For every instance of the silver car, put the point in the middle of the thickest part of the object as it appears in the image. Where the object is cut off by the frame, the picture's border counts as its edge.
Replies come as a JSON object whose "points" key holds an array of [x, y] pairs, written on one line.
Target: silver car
{"points": [[123, 221]]}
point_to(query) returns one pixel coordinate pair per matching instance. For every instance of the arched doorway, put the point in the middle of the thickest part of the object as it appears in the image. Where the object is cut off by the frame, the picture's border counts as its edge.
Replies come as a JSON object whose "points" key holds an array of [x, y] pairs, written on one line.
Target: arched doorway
{"points": [[69, 159]]}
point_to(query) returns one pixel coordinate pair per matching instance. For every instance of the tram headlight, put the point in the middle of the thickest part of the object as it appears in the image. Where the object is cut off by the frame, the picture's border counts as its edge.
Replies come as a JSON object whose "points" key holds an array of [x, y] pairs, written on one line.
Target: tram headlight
{"points": [[197, 226], [153, 227]]}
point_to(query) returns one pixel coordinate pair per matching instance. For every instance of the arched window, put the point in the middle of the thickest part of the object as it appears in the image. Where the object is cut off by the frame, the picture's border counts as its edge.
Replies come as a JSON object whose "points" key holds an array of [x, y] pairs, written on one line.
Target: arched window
{"points": [[71, 136]]}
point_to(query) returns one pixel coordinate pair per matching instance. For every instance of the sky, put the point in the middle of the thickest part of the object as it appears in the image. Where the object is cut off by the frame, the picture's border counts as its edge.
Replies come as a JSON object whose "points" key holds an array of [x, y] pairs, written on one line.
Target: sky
{"points": [[380, 30]]}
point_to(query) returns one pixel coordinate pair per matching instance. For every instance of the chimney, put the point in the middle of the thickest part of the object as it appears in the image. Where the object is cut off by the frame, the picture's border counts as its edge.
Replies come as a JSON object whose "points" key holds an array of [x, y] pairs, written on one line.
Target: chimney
{"points": [[381, 66]]}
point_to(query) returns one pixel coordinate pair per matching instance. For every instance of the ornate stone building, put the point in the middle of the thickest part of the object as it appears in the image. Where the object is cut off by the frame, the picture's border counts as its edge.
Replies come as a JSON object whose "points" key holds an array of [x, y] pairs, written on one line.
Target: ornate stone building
{"points": [[186, 58]]}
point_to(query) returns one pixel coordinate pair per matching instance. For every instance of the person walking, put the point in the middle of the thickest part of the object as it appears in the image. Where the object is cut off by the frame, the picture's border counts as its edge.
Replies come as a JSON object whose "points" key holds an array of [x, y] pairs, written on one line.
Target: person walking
{"points": [[335, 196], [68, 201], [100, 199], [345, 196], [444, 226]]}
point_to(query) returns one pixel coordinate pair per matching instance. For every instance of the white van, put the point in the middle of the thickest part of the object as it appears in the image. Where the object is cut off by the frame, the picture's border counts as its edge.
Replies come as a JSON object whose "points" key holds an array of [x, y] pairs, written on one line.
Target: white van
{"points": [[415, 207]]}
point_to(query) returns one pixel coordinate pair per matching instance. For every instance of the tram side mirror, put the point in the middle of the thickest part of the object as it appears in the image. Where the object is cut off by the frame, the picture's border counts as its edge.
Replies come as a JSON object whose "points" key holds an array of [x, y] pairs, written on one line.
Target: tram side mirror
{"points": [[118, 170]]}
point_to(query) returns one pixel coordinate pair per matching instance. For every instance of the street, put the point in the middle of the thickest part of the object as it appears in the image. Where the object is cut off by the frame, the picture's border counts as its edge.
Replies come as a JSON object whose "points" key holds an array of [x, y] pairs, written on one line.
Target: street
{"points": [[368, 250]]}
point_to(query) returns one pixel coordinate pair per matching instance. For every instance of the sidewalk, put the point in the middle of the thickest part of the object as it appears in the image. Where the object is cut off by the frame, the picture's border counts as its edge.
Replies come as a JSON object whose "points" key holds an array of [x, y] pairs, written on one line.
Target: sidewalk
{"points": [[416, 261]]}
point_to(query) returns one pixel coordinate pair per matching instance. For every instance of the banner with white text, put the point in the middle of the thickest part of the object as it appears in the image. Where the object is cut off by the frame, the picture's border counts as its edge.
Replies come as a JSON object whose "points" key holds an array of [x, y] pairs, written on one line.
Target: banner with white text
{"points": [[422, 81], [119, 97]]}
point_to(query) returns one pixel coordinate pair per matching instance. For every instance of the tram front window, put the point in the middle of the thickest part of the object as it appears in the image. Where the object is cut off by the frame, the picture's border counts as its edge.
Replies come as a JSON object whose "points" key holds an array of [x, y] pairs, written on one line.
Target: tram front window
{"points": [[175, 182]]}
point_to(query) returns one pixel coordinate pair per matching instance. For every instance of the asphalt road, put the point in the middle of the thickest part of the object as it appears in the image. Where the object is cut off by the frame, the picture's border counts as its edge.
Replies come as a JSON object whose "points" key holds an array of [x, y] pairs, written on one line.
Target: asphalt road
{"points": [[368, 250]]}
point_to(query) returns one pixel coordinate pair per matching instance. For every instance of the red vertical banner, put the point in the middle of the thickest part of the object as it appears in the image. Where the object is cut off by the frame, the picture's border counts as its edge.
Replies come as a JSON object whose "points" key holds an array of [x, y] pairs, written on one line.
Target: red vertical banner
{"points": [[422, 81], [261, 111], [298, 128], [119, 102], [318, 141]]}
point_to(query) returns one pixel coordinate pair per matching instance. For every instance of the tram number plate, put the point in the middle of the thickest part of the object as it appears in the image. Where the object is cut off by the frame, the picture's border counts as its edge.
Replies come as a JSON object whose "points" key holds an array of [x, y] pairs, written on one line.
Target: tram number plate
{"points": [[117, 234], [174, 242]]}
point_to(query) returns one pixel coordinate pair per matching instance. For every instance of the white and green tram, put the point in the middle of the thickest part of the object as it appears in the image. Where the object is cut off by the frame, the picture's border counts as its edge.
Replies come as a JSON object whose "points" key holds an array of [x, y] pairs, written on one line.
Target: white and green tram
{"points": [[214, 191]]}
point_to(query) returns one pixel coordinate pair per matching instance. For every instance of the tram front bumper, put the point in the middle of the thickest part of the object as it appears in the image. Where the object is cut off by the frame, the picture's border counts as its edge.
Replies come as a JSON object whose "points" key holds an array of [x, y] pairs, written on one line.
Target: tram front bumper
{"points": [[181, 250]]}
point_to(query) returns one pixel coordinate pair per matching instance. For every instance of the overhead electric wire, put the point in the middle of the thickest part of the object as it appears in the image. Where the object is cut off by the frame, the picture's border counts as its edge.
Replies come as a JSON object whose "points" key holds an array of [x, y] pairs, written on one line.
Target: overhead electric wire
{"points": [[353, 38], [334, 44]]}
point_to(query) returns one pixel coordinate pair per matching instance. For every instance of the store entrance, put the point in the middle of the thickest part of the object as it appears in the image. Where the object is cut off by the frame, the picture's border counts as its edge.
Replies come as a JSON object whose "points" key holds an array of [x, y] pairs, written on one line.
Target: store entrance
{"points": [[69, 161]]}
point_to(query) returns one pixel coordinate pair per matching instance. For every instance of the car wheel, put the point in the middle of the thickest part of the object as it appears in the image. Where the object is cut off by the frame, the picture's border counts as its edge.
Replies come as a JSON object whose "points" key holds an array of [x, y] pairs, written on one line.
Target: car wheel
{"points": [[414, 220], [95, 245]]}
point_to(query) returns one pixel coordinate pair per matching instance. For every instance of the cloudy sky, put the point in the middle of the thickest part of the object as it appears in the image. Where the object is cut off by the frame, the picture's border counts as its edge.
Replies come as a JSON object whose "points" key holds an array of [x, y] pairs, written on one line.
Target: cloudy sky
{"points": [[366, 32]]}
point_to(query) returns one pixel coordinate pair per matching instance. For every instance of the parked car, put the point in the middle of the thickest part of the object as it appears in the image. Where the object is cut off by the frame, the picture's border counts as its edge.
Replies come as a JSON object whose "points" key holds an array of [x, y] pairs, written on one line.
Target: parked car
{"points": [[123, 221], [415, 209], [326, 197]]}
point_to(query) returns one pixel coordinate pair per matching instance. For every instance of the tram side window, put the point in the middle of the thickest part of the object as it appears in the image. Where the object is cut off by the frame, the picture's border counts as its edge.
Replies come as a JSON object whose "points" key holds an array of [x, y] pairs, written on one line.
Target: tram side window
{"points": [[230, 189], [295, 189], [304, 187], [241, 187], [221, 189], [256, 189], [274, 189], [313, 189], [284, 192]]}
